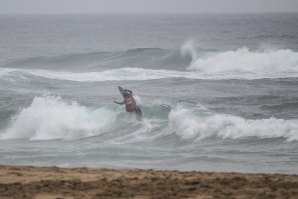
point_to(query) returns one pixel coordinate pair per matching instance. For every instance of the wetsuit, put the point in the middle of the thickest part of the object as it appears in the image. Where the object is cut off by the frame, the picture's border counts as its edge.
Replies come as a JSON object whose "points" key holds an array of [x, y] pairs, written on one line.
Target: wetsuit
{"points": [[130, 103]]}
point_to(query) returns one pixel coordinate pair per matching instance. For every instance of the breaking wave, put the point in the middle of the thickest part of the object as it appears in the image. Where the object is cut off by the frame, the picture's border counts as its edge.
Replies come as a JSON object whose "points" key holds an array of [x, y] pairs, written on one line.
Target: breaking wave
{"points": [[191, 124], [243, 60], [147, 64], [51, 117]]}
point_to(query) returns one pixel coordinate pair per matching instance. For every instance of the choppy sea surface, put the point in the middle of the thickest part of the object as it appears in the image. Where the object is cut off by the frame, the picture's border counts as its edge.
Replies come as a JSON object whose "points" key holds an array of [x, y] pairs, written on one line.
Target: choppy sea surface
{"points": [[219, 92]]}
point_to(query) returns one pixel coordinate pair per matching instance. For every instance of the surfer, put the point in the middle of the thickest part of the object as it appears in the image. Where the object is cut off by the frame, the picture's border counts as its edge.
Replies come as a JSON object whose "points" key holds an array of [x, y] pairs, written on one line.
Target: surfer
{"points": [[129, 101]]}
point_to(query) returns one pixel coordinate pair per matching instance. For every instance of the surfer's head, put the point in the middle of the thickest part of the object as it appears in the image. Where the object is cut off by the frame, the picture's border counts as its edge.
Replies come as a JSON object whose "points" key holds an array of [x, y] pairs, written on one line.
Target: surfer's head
{"points": [[126, 94]]}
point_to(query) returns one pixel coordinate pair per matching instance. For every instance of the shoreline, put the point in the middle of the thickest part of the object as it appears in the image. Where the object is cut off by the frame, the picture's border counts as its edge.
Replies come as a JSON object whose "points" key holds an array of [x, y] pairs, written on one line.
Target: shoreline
{"points": [[67, 183]]}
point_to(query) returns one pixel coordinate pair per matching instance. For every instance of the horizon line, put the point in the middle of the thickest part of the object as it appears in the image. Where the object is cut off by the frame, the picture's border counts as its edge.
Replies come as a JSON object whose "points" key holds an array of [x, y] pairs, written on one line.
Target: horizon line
{"points": [[147, 13]]}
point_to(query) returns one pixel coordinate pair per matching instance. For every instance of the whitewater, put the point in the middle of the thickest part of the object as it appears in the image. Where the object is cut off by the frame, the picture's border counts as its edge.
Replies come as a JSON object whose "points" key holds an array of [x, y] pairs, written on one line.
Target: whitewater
{"points": [[225, 101]]}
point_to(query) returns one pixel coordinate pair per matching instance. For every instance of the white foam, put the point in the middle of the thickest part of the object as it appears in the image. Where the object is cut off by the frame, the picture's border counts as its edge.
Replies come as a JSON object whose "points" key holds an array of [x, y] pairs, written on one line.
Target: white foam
{"points": [[137, 74], [266, 62], [189, 125], [138, 100], [50, 117], [130, 74], [188, 48]]}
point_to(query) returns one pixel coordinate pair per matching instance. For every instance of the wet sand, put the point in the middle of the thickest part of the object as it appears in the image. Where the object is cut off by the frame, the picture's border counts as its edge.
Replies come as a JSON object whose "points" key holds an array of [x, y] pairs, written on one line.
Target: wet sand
{"points": [[57, 183]]}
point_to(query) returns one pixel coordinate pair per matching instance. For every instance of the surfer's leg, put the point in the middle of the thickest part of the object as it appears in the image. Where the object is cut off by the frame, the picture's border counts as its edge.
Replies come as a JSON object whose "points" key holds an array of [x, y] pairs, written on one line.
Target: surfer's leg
{"points": [[138, 111], [129, 109]]}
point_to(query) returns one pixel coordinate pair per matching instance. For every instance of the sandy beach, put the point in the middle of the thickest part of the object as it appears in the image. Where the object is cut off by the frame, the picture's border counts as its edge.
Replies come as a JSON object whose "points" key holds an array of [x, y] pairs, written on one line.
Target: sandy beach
{"points": [[54, 183]]}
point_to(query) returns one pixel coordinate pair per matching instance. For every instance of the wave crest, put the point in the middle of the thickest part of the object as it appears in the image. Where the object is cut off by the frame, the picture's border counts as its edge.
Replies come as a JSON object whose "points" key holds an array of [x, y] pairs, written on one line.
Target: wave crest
{"points": [[50, 117], [191, 125], [243, 60]]}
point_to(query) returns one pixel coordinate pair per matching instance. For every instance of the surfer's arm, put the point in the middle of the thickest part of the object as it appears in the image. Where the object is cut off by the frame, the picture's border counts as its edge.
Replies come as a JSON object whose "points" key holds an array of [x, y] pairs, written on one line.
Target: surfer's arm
{"points": [[121, 103]]}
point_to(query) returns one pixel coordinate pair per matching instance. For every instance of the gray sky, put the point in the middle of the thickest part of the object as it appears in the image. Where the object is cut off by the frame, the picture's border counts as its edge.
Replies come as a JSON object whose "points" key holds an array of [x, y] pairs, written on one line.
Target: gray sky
{"points": [[145, 6]]}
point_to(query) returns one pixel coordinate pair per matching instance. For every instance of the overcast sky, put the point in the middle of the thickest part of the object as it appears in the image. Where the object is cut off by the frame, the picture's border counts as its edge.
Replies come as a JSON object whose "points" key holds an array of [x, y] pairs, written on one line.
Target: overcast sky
{"points": [[145, 6]]}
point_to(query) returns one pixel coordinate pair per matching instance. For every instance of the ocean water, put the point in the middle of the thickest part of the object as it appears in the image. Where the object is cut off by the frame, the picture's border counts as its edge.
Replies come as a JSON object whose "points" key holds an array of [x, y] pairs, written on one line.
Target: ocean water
{"points": [[219, 92]]}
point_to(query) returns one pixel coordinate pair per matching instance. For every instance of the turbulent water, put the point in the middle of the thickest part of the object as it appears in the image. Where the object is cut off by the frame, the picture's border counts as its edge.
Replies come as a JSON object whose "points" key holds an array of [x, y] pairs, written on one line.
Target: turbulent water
{"points": [[218, 92]]}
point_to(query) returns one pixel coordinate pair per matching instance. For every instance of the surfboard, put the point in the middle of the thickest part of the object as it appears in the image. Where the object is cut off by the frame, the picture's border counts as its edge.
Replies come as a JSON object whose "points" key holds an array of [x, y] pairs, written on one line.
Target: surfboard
{"points": [[121, 90]]}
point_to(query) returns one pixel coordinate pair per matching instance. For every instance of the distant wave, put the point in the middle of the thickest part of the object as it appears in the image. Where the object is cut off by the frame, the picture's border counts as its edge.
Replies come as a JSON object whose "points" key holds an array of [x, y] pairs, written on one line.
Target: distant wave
{"points": [[153, 58], [243, 60], [154, 63], [107, 75], [128, 74]]}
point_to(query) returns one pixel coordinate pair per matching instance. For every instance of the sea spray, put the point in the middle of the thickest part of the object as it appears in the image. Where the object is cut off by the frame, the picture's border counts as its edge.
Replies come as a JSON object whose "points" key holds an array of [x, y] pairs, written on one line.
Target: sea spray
{"points": [[50, 117], [244, 60], [199, 124], [188, 48]]}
